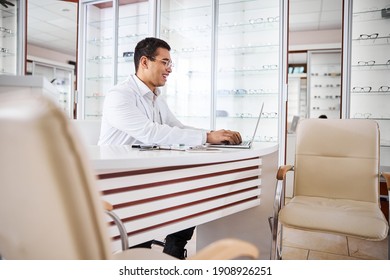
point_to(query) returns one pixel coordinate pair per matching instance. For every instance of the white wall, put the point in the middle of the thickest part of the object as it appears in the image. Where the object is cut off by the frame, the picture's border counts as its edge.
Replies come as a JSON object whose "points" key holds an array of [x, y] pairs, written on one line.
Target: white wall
{"points": [[319, 39], [36, 51]]}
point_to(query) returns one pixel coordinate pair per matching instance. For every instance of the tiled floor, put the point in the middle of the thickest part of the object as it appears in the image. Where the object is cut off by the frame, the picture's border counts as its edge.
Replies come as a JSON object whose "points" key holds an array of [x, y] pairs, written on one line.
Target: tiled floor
{"points": [[302, 245]]}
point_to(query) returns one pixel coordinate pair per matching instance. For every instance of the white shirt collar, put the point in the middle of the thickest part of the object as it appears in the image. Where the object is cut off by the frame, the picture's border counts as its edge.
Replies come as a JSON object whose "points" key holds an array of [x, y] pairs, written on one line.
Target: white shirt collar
{"points": [[144, 89]]}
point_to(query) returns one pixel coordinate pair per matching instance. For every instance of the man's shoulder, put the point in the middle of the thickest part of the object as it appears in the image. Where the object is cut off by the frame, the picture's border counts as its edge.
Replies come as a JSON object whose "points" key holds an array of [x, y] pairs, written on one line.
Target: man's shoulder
{"points": [[123, 88], [126, 83]]}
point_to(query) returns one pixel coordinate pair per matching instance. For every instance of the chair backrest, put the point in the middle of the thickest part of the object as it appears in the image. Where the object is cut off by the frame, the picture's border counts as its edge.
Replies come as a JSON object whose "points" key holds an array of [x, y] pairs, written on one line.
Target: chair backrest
{"points": [[337, 159], [49, 205]]}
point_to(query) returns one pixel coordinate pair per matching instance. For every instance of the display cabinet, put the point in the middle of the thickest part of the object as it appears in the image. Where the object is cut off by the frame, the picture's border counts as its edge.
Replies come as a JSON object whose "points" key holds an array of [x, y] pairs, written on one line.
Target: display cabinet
{"points": [[189, 31], [297, 96], [226, 54], [324, 83], [227, 63], [11, 38], [369, 66], [297, 86], [60, 76], [108, 33]]}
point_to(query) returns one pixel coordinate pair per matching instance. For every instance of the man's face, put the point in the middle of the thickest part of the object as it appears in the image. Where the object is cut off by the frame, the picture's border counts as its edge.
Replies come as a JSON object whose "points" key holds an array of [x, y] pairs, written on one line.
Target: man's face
{"points": [[158, 70]]}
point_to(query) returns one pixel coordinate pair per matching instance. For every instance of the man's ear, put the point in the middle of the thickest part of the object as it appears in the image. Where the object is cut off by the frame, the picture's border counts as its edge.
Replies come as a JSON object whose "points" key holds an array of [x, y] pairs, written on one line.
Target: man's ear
{"points": [[143, 62]]}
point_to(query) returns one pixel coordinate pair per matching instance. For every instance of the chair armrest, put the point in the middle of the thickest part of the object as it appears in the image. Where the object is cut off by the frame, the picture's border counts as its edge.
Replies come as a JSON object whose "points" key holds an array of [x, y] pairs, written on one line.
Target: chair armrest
{"points": [[386, 175], [108, 208], [280, 188], [282, 171], [278, 204], [227, 249]]}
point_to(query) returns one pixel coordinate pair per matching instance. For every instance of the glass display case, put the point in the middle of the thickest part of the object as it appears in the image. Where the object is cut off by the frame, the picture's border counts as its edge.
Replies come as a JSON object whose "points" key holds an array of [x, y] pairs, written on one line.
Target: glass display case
{"points": [[109, 32], [60, 76], [227, 63], [11, 42], [188, 29], [324, 83], [297, 87], [369, 87], [297, 96], [226, 58]]}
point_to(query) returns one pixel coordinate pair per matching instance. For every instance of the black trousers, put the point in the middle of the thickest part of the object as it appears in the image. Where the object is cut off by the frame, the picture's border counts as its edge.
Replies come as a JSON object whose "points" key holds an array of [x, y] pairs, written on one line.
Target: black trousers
{"points": [[184, 235], [174, 241]]}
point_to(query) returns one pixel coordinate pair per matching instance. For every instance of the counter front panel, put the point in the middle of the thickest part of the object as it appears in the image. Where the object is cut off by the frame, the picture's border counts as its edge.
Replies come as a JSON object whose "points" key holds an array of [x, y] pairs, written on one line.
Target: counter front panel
{"points": [[159, 200]]}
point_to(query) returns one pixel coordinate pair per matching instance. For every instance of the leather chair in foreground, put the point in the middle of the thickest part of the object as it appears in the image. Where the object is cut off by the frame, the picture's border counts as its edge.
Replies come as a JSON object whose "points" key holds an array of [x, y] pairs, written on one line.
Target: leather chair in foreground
{"points": [[50, 206], [336, 182]]}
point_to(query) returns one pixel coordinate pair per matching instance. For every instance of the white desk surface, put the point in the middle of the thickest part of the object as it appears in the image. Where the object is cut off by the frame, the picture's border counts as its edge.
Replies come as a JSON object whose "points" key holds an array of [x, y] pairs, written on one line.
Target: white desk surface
{"points": [[108, 158]]}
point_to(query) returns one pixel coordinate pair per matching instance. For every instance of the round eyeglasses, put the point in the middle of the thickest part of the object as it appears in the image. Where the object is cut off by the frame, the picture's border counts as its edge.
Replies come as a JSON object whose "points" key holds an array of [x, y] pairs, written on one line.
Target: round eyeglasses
{"points": [[167, 62]]}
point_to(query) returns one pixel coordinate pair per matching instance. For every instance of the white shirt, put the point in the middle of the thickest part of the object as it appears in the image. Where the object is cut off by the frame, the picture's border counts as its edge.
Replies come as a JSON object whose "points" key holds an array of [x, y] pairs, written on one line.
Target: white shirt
{"points": [[132, 113]]}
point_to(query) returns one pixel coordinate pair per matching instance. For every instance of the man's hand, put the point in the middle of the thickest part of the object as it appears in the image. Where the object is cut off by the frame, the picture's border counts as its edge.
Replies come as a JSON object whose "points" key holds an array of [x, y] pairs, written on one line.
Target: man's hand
{"points": [[5, 3], [221, 136]]}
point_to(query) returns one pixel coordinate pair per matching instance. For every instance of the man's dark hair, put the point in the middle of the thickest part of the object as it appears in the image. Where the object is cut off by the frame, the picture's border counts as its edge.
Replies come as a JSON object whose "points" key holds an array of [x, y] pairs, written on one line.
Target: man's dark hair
{"points": [[148, 47]]}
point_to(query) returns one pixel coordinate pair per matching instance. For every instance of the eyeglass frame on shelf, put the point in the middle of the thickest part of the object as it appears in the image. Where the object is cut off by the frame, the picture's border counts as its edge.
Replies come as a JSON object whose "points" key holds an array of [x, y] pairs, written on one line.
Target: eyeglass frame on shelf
{"points": [[366, 63], [368, 36], [384, 88], [362, 89]]}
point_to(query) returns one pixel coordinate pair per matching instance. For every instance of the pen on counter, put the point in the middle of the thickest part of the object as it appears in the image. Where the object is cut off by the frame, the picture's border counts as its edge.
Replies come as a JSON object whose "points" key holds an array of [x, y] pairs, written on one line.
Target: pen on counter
{"points": [[146, 147], [170, 148]]}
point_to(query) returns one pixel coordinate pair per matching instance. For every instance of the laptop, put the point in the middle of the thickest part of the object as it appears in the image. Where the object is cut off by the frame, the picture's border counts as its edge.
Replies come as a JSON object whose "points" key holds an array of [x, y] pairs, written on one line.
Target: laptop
{"points": [[244, 144]]}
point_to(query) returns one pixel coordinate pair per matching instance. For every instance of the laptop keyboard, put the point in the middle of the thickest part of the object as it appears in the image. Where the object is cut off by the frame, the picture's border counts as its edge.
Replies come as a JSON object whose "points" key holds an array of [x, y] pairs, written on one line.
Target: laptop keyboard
{"points": [[243, 143]]}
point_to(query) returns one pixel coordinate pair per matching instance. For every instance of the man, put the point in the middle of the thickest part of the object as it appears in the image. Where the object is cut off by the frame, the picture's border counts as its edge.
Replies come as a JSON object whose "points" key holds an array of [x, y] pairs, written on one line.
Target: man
{"points": [[134, 113]]}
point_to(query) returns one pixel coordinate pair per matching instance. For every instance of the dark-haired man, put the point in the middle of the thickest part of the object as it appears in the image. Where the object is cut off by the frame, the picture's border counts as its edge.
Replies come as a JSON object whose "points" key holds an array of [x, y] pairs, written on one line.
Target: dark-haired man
{"points": [[133, 113]]}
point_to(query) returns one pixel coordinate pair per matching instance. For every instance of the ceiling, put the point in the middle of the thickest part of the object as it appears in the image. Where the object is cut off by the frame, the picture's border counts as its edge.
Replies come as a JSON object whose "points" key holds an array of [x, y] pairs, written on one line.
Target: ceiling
{"points": [[311, 15], [52, 24]]}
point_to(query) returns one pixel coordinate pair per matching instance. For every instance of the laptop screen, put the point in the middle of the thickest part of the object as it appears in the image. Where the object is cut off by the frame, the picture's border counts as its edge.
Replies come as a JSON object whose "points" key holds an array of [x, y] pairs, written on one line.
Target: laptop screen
{"points": [[257, 124]]}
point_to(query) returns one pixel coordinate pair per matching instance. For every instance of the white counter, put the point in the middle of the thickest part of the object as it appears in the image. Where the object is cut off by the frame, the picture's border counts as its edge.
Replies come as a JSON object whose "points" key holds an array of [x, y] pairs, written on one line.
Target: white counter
{"points": [[108, 158], [158, 192]]}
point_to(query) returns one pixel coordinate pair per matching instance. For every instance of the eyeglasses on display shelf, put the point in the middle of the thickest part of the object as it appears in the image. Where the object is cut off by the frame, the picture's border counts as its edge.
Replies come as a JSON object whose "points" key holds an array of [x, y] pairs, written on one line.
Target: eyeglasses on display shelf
{"points": [[226, 56], [367, 89], [324, 83], [110, 29], [369, 49]]}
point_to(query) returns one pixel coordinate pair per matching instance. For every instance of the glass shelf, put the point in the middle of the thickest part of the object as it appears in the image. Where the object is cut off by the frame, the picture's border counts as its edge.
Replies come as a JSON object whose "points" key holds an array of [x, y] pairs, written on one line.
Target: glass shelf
{"points": [[7, 54], [364, 15], [5, 34], [108, 59], [95, 96], [99, 71], [122, 40], [248, 54], [7, 13], [247, 95], [373, 39], [369, 84], [10, 45], [375, 67]]}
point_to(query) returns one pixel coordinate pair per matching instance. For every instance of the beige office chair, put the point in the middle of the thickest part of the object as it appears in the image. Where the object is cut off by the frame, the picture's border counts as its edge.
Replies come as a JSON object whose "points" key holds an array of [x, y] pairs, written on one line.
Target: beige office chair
{"points": [[50, 206], [336, 182]]}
